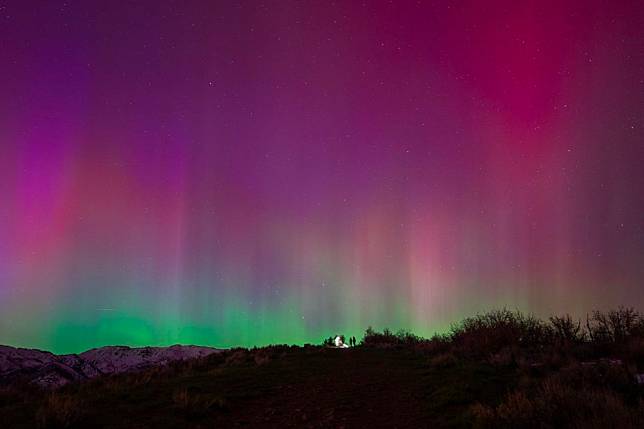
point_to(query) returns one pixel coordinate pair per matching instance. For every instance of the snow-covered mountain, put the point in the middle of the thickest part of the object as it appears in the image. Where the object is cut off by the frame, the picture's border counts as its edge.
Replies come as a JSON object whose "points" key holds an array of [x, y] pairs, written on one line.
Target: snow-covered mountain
{"points": [[49, 370]]}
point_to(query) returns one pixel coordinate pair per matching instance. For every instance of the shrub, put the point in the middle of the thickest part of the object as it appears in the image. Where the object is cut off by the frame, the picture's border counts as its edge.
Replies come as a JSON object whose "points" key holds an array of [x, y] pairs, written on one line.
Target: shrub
{"points": [[490, 332], [389, 338], [566, 331], [374, 338], [59, 410], [328, 342], [405, 337], [556, 404], [614, 326]]}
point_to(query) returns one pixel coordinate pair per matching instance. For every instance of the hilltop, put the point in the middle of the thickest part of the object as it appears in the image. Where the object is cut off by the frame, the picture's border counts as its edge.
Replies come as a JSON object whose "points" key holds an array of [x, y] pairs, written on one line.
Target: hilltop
{"points": [[495, 370]]}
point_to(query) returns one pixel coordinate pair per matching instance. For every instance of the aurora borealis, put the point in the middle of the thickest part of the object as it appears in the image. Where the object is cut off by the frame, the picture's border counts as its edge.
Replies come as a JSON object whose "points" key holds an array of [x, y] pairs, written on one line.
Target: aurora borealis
{"points": [[245, 173]]}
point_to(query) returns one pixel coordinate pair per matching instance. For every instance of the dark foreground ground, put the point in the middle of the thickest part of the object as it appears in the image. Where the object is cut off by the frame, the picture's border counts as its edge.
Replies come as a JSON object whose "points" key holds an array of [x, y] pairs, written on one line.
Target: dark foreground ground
{"points": [[278, 387], [497, 370]]}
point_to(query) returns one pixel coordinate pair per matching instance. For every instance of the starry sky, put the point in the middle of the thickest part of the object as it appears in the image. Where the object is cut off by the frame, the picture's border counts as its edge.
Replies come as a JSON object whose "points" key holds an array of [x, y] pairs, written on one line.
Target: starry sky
{"points": [[244, 173]]}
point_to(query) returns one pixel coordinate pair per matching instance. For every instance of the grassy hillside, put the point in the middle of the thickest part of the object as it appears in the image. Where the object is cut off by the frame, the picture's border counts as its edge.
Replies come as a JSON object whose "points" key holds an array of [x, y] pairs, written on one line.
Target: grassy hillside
{"points": [[502, 369]]}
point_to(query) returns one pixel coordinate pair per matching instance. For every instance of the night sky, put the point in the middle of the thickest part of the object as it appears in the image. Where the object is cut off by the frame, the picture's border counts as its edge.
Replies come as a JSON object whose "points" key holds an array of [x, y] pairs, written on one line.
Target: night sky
{"points": [[236, 174]]}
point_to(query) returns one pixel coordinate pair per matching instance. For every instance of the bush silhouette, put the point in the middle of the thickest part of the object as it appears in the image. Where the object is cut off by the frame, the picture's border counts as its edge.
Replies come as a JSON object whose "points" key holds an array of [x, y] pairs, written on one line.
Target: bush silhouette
{"points": [[614, 326], [492, 331], [388, 338]]}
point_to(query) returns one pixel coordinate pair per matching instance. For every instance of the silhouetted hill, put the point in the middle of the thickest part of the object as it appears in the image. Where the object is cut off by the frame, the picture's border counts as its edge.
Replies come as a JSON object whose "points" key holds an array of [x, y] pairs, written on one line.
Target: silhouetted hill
{"points": [[501, 369], [48, 370]]}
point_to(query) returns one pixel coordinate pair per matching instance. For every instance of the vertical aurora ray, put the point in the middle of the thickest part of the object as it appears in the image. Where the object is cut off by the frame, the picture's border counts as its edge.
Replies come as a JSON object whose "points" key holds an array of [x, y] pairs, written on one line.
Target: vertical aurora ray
{"points": [[252, 174]]}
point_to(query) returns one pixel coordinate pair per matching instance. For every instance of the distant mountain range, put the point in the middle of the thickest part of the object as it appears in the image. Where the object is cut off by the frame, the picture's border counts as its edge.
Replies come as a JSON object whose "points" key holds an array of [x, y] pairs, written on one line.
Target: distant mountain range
{"points": [[49, 370]]}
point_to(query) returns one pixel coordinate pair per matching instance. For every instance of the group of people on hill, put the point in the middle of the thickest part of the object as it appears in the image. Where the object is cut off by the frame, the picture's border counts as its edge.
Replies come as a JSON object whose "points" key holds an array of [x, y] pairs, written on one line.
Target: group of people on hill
{"points": [[339, 342]]}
